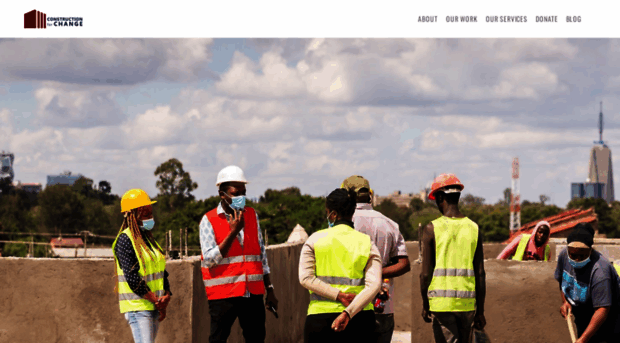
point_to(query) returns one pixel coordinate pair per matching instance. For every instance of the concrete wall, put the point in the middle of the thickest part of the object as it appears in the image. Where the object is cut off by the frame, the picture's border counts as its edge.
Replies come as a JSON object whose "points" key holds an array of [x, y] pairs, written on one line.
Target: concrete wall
{"points": [[58, 300]]}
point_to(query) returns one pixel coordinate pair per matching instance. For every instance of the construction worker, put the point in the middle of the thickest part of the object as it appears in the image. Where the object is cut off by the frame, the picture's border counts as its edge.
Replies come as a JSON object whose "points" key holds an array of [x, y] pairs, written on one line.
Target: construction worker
{"points": [[452, 278], [143, 287], [590, 288], [386, 236], [529, 247], [342, 270], [234, 262]]}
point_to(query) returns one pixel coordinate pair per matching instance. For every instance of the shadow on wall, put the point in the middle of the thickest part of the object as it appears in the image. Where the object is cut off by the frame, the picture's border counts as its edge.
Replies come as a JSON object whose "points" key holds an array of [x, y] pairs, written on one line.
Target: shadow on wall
{"points": [[52, 300]]}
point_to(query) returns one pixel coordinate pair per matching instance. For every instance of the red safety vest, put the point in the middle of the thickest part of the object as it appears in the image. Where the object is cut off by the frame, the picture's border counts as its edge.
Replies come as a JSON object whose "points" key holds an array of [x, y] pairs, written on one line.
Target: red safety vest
{"points": [[242, 268]]}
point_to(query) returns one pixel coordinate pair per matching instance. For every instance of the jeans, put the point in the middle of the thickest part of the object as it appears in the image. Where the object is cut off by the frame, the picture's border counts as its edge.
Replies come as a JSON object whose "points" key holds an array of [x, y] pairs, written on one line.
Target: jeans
{"points": [[144, 325], [384, 327], [251, 314]]}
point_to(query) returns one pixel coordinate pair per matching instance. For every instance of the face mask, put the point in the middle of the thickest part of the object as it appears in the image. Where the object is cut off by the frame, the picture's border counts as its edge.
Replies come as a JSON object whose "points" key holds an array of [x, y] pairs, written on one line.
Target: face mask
{"points": [[578, 265], [148, 224], [238, 202], [331, 224]]}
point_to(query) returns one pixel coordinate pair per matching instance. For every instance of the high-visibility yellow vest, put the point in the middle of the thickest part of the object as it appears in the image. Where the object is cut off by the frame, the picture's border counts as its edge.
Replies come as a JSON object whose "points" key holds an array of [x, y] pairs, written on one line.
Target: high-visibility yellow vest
{"points": [[525, 238], [617, 266], [341, 257], [453, 287], [152, 271]]}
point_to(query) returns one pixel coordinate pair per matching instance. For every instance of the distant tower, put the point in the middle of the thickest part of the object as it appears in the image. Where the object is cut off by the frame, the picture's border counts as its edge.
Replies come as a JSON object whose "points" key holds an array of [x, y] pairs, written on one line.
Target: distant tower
{"points": [[600, 169], [515, 198]]}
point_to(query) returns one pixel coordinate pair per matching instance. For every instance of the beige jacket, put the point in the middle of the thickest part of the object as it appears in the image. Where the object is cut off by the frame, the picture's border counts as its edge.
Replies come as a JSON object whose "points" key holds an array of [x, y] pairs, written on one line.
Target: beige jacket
{"points": [[308, 279]]}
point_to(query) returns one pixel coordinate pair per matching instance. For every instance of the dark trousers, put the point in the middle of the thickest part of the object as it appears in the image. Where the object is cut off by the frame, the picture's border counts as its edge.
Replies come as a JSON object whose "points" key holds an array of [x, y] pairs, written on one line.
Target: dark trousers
{"points": [[384, 327], [318, 328], [251, 314]]}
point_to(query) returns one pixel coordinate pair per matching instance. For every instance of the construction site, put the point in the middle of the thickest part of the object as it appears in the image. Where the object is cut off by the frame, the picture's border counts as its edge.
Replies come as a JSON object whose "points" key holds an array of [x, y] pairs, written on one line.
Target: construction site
{"points": [[71, 298]]}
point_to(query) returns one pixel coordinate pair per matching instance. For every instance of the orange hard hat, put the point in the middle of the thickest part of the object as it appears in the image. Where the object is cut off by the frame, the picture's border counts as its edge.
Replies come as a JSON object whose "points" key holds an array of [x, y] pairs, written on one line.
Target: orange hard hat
{"points": [[444, 180]]}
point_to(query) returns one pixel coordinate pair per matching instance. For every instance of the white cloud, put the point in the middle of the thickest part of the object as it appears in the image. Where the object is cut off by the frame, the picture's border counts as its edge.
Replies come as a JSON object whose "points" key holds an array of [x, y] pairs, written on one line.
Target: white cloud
{"points": [[104, 61], [276, 79], [59, 107]]}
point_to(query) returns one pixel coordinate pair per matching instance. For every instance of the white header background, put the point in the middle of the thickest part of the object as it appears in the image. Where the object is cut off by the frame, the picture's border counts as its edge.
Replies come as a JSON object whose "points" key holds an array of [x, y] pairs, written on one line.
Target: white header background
{"points": [[317, 18]]}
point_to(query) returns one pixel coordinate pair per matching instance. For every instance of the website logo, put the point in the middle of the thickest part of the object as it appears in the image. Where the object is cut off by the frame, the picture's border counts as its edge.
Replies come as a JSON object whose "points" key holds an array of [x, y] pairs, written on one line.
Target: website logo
{"points": [[39, 20], [35, 20]]}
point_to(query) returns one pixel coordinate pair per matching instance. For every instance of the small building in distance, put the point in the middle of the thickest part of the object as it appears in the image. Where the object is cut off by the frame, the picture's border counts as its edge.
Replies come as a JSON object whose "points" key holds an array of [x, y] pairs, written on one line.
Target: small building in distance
{"points": [[63, 179], [32, 187], [400, 199]]}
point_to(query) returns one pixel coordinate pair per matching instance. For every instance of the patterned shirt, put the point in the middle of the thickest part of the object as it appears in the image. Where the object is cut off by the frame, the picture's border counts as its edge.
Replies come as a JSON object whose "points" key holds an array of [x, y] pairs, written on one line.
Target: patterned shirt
{"points": [[385, 234], [211, 251]]}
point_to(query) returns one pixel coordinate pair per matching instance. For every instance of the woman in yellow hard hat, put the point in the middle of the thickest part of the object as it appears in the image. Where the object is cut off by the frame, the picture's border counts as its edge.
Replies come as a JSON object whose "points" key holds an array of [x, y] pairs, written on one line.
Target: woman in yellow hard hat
{"points": [[143, 288]]}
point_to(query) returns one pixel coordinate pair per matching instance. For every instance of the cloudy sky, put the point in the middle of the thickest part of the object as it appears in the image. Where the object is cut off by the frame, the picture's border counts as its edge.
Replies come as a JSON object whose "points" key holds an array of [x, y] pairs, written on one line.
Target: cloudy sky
{"points": [[311, 112]]}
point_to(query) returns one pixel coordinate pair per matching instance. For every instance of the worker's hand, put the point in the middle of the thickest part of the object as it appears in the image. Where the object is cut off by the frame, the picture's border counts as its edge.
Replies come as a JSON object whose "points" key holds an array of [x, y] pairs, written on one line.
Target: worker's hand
{"points": [[341, 322], [345, 298], [565, 309], [426, 315], [236, 221], [162, 302], [150, 296], [271, 300], [162, 315], [479, 321]]}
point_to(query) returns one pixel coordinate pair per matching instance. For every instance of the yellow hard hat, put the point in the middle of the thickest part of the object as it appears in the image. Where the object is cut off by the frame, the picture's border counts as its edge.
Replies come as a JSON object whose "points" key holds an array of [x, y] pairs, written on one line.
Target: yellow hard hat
{"points": [[135, 198]]}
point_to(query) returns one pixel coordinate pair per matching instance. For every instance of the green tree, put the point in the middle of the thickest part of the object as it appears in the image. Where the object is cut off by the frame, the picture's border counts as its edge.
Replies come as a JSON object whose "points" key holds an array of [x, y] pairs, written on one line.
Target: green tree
{"points": [[470, 200], [174, 183], [280, 211], [62, 210], [507, 196], [606, 223]]}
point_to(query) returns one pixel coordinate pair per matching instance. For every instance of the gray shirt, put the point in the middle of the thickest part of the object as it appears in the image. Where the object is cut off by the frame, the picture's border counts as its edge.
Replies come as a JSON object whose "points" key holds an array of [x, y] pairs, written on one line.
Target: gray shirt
{"points": [[385, 234], [595, 285]]}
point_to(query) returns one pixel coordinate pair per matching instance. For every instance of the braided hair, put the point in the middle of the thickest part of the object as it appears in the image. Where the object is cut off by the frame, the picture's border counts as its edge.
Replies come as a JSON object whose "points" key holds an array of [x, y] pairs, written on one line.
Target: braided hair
{"points": [[342, 201], [130, 220]]}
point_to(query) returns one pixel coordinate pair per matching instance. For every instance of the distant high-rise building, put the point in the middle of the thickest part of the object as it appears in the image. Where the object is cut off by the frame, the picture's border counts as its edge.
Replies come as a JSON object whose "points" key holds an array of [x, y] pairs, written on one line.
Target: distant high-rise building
{"points": [[600, 182], [600, 168]]}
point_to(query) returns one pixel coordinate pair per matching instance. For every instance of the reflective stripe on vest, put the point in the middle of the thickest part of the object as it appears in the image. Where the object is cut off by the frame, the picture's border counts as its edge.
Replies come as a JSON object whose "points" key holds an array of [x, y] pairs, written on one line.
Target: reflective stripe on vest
{"points": [[453, 286], [351, 249], [134, 296], [147, 278], [235, 259], [454, 272], [232, 279], [151, 271], [241, 270]]}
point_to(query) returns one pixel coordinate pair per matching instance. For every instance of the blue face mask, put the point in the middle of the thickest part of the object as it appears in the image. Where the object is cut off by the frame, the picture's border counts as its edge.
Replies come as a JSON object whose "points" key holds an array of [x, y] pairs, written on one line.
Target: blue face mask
{"points": [[238, 202], [148, 224], [331, 224], [578, 265]]}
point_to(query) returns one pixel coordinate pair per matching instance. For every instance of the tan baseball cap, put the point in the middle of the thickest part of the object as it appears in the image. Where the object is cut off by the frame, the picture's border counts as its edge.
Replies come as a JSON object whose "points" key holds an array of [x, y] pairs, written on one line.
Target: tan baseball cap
{"points": [[356, 182]]}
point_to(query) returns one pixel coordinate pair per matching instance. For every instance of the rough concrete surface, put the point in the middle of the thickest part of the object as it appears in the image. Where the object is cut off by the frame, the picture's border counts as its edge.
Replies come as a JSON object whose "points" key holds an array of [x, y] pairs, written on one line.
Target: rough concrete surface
{"points": [[61, 300]]}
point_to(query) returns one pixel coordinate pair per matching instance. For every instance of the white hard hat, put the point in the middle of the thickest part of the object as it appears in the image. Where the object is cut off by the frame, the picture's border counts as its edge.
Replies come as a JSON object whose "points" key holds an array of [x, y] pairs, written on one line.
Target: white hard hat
{"points": [[230, 174]]}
